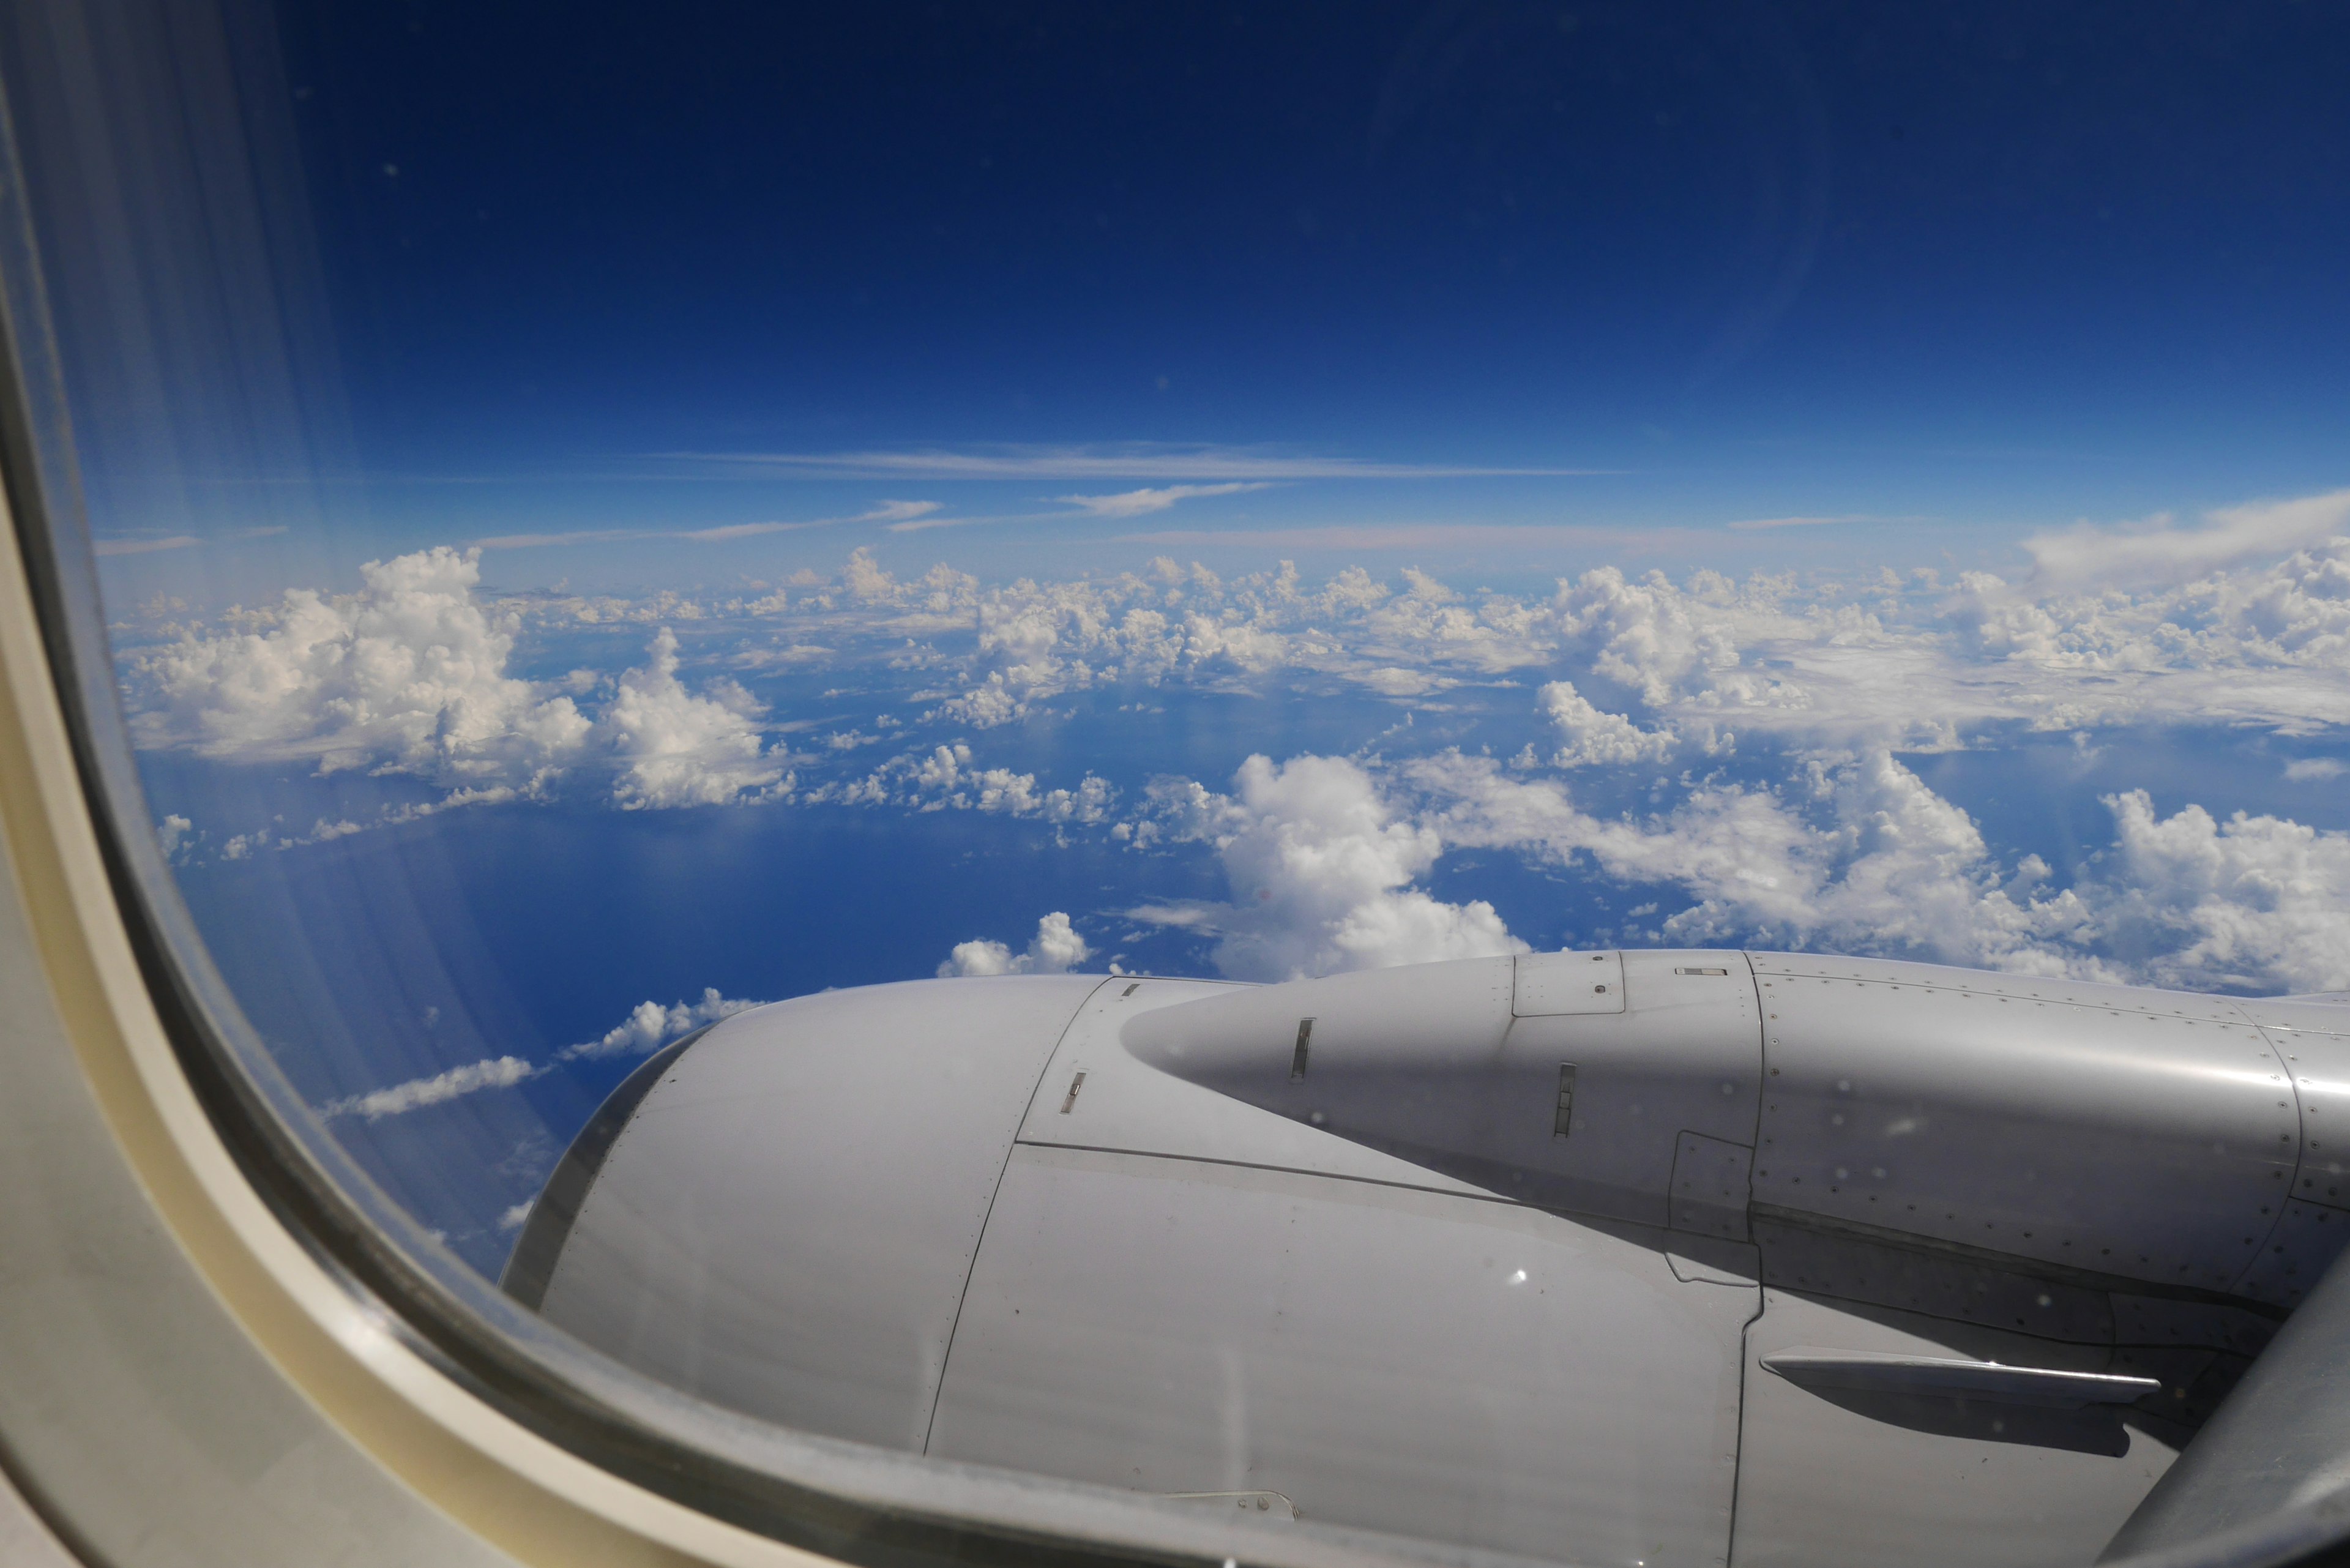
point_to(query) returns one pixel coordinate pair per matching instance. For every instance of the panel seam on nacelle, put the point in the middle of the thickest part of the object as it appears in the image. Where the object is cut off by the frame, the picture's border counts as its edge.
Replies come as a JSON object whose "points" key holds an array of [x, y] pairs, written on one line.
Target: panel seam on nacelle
{"points": [[2300, 1150], [1761, 1288], [1503, 1199], [970, 1264]]}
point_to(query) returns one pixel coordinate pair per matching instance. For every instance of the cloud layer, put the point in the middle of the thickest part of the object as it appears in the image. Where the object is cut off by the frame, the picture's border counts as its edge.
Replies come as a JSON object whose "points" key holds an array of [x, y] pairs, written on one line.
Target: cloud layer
{"points": [[1762, 724], [409, 675]]}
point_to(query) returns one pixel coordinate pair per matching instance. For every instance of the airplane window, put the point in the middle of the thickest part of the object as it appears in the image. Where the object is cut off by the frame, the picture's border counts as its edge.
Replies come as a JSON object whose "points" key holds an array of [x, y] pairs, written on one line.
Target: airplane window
{"points": [[1468, 781]]}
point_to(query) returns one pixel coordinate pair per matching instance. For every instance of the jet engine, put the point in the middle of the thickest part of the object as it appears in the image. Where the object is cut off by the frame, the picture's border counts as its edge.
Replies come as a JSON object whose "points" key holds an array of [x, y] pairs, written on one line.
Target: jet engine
{"points": [[1661, 1257]]}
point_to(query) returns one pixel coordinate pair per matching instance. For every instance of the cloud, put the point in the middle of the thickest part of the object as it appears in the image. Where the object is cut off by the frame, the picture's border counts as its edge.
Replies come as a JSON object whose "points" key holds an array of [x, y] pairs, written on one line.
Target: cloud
{"points": [[1055, 950], [1910, 662], [2158, 550], [1391, 680], [1136, 503], [407, 675], [1321, 869], [650, 1025], [497, 1073], [725, 530], [890, 511], [1856, 855], [2253, 903], [547, 541], [944, 779], [868, 582], [647, 1027], [1752, 524], [1647, 636], [898, 513], [1180, 625], [1415, 536], [142, 546], [1819, 686], [515, 1216], [676, 749], [927, 524], [1917, 662], [1593, 737], [1860, 856], [1131, 460]]}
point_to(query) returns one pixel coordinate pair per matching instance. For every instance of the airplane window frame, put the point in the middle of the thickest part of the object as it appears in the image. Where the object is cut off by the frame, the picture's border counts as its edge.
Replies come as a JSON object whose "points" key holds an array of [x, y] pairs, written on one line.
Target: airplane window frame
{"points": [[841, 1499]]}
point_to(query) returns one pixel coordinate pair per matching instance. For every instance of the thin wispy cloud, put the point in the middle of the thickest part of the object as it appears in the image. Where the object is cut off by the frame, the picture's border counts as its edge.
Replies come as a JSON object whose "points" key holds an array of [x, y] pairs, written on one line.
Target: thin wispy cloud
{"points": [[1136, 461], [1428, 537], [720, 535], [888, 513], [1139, 503], [897, 512], [966, 520], [1752, 524], [142, 546], [645, 1029], [549, 541]]}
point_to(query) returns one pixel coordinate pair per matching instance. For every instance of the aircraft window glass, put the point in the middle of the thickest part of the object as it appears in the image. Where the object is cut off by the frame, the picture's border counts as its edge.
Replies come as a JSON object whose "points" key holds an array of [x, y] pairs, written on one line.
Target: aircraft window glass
{"points": [[742, 649]]}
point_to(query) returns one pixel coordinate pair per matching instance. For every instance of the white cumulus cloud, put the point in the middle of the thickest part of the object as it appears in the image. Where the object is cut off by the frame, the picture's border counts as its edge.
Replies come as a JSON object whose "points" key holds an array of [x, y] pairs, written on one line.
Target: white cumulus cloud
{"points": [[408, 674], [650, 1025], [673, 748], [1592, 735], [1055, 950], [2255, 902], [1321, 871], [1852, 854]]}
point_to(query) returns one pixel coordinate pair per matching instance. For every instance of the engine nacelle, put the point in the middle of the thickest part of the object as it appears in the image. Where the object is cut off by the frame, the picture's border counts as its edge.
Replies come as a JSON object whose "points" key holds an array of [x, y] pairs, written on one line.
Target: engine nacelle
{"points": [[2150, 1135], [1553, 1255], [1624, 1085]]}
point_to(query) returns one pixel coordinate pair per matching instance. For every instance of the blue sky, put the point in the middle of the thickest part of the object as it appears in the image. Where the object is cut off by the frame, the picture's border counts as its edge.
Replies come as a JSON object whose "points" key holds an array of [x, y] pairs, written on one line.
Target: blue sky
{"points": [[1959, 273], [714, 506]]}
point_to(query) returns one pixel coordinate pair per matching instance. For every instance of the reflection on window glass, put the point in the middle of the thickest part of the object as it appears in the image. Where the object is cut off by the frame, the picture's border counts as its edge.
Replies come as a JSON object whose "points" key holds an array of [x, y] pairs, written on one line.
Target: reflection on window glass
{"points": [[660, 515]]}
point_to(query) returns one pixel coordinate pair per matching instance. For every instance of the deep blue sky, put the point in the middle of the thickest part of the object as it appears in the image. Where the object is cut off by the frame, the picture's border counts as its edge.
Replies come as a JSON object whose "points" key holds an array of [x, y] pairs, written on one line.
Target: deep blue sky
{"points": [[2008, 249]]}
